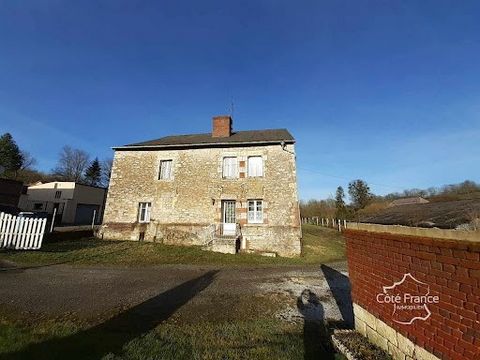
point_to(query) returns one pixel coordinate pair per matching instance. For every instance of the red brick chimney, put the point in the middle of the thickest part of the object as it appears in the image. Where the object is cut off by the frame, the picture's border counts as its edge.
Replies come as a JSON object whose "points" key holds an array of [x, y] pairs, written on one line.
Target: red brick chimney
{"points": [[222, 126]]}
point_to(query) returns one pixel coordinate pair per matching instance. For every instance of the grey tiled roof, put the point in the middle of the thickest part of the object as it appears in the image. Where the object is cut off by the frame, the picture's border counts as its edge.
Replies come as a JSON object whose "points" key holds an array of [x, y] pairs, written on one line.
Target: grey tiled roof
{"points": [[205, 140]]}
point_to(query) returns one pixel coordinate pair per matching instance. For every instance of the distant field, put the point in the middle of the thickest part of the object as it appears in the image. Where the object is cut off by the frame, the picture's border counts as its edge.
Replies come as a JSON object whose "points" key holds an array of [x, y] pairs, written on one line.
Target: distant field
{"points": [[447, 214], [319, 245]]}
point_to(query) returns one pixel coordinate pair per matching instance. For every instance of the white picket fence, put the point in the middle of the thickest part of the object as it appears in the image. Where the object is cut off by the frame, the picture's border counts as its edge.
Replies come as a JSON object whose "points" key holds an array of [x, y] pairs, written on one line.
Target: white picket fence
{"points": [[338, 224], [21, 233]]}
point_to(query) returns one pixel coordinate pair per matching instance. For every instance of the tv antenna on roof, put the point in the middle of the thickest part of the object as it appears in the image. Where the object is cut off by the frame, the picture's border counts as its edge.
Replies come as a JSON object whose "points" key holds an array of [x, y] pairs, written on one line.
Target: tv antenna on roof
{"points": [[232, 106]]}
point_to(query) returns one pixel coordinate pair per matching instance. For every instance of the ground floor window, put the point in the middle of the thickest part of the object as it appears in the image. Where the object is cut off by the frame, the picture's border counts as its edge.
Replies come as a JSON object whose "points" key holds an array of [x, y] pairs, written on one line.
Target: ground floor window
{"points": [[255, 211], [144, 209]]}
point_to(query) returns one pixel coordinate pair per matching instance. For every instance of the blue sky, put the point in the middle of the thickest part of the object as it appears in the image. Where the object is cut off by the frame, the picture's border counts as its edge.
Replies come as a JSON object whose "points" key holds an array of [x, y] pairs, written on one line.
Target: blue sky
{"points": [[386, 91]]}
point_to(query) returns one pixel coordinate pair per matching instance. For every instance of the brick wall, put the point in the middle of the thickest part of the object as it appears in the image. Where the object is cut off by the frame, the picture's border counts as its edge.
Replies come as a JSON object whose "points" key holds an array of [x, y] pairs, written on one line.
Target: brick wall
{"points": [[451, 268]]}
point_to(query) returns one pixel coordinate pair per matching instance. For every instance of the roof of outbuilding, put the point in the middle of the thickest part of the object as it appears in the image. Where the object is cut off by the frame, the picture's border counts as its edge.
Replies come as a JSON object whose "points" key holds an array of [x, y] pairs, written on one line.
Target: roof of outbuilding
{"points": [[252, 137]]}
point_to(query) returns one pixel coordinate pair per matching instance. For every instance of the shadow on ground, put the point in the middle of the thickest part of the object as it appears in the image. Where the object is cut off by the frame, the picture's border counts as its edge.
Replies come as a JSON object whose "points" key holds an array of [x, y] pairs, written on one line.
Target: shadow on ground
{"points": [[340, 287], [112, 335], [317, 329], [316, 337]]}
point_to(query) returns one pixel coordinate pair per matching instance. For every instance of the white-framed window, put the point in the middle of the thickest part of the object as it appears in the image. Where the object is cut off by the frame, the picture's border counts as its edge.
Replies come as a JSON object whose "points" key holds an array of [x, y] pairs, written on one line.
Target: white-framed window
{"points": [[144, 209], [255, 166], [255, 211], [165, 172], [230, 167], [58, 194]]}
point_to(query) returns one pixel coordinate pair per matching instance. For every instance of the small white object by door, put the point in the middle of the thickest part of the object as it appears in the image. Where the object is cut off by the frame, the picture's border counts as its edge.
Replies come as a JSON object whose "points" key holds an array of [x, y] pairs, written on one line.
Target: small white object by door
{"points": [[228, 216]]}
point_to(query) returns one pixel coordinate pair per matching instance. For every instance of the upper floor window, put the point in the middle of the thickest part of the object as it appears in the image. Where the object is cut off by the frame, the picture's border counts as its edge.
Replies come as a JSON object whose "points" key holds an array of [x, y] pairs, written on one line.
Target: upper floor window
{"points": [[255, 211], [58, 194], [144, 209], [255, 166], [165, 172], [230, 167]]}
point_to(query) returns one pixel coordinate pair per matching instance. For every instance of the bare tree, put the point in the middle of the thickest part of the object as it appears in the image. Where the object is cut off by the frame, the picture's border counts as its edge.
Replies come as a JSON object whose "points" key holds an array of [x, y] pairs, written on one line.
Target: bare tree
{"points": [[473, 215], [321, 208], [28, 161], [71, 164]]}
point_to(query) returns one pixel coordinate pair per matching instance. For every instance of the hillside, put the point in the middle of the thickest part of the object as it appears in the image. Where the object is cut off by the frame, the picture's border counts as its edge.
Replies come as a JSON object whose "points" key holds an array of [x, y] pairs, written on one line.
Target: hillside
{"points": [[446, 214]]}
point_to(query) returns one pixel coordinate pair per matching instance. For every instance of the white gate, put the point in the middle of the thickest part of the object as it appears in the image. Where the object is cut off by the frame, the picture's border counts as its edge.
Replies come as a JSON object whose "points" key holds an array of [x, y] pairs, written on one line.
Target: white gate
{"points": [[21, 233]]}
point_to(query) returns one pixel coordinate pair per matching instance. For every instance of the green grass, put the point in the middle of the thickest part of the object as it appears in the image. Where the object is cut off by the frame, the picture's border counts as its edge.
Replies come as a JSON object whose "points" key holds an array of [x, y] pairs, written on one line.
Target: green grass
{"points": [[248, 331], [251, 339], [320, 245]]}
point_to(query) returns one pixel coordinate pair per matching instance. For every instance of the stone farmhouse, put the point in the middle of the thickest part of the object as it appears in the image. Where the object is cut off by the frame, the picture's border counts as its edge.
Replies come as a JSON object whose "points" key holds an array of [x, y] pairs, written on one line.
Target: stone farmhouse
{"points": [[226, 191]]}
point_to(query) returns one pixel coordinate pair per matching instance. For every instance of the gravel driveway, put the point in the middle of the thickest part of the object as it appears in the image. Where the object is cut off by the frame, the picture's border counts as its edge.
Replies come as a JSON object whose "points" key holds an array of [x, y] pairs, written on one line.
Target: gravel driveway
{"points": [[94, 293]]}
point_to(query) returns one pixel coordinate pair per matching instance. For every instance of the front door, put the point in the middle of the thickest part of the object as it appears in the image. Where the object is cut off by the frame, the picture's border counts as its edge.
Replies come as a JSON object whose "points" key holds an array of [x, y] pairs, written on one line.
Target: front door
{"points": [[229, 225]]}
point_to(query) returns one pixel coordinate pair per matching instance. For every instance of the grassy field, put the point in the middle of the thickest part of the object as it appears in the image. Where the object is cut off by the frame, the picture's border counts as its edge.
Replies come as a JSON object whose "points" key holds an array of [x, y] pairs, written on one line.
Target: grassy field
{"points": [[320, 245], [253, 333]]}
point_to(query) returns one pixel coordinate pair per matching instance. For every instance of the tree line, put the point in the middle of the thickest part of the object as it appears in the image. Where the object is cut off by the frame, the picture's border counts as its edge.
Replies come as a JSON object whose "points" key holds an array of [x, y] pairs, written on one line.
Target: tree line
{"points": [[463, 188], [360, 196], [72, 165], [362, 200]]}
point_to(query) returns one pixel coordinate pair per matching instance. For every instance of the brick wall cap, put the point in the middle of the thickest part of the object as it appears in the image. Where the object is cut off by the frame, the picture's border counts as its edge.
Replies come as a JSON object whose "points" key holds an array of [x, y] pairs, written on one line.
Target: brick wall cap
{"points": [[440, 234]]}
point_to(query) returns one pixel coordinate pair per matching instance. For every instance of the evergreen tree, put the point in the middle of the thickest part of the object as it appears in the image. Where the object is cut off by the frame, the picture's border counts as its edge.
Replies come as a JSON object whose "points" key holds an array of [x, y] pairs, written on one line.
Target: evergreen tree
{"points": [[11, 159], [93, 174], [359, 192], [106, 166], [340, 202]]}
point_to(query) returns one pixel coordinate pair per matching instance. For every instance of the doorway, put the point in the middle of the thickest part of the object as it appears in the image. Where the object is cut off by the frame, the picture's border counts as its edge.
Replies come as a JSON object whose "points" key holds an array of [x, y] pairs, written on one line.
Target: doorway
{"points": [[229, 225]]}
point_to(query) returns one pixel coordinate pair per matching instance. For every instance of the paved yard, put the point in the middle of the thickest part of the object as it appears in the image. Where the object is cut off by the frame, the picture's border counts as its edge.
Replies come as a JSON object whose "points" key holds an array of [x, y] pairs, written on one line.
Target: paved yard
{"points": [[139, 299]]}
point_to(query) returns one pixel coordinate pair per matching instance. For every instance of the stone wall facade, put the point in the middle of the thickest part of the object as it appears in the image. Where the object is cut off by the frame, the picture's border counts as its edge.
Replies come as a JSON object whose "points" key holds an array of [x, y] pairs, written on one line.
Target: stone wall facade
{"points": [[446, 268], [186, 207]]}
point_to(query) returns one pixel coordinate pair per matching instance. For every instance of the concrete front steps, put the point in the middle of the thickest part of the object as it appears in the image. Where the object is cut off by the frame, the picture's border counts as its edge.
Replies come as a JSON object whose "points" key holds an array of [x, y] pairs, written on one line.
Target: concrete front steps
{"points": [[231, 245], [223, 244]]}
